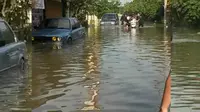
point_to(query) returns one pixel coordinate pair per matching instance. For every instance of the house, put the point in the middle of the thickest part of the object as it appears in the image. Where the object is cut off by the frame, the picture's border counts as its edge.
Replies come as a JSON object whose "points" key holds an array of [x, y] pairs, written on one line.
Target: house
{"points": [[47, 9]]}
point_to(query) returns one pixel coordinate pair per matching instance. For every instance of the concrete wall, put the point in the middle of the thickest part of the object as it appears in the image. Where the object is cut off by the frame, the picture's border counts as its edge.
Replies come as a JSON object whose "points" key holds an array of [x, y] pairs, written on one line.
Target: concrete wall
{"points": [[53, 9]]}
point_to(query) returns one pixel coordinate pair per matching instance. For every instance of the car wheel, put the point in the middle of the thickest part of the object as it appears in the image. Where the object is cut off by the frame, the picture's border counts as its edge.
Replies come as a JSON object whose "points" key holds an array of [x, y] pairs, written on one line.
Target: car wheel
{"points": [[69, 40]]}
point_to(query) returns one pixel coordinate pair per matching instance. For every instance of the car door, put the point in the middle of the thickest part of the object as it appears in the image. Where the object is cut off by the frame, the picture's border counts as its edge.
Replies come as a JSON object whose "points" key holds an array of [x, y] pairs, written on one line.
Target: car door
{"points": [[3, 58], [80, 29], [12, 49], [75, 29]]}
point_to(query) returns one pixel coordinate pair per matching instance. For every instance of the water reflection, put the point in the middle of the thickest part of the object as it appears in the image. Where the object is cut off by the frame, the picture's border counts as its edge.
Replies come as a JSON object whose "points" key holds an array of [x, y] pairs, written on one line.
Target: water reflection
{"points": [[185, 71], [92, 52]]}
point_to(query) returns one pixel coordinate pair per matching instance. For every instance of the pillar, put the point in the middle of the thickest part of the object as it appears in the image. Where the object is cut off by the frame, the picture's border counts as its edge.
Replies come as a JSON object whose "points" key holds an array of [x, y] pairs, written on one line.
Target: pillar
{"points": [[63, 2]]}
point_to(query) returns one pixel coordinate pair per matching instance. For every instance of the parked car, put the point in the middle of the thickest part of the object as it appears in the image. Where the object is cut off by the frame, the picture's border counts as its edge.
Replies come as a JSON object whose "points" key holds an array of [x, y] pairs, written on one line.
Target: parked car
{"points": [[59, 30], [12, 51], [110, 19]]}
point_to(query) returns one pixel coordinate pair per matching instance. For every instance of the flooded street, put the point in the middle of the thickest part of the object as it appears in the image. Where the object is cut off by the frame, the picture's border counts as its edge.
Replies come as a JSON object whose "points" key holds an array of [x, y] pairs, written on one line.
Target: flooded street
{"points": [[109, 70], [185, 71]]}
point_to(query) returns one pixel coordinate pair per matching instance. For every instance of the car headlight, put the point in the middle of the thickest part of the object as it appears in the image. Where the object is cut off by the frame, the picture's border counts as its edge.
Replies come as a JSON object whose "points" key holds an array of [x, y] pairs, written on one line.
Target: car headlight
{"points": [[112, 22], [58, 39], [102, 22], [54, 39]]}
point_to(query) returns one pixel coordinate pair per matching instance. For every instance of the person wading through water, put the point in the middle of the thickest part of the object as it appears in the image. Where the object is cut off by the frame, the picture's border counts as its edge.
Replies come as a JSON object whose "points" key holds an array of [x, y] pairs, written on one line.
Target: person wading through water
{"points": [[133, 21], [140, 20]]}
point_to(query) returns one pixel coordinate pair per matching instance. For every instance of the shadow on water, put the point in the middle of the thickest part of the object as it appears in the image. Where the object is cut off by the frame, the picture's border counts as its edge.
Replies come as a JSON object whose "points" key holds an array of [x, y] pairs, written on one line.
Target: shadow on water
{"points": [[186, 71], [109, 70]]}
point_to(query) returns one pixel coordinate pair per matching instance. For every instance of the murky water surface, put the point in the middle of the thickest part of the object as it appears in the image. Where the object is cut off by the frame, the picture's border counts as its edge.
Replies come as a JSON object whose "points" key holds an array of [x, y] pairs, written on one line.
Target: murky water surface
{"points": [[109, 70], [186, 71]]}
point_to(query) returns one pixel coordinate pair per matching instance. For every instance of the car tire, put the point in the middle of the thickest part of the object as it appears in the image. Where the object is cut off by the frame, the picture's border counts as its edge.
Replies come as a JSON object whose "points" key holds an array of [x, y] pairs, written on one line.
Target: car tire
{"points": [[69, 40]]}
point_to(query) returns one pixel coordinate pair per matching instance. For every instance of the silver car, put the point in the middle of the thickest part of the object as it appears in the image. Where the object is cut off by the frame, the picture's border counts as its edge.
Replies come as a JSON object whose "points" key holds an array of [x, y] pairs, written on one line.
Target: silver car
{"points": [[12, 51]]}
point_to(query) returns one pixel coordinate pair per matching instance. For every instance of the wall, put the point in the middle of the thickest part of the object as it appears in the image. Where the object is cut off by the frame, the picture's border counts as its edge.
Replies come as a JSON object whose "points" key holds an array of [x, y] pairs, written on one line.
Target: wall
{"points": [[53, 9]]}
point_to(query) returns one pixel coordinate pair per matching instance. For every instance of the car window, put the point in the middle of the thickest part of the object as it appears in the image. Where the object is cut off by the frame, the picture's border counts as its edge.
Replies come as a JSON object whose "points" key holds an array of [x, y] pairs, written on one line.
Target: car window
{"points": [[2, 42], [57, 23], [77, 23], [109, 17], [73, 24], [6, 35]]}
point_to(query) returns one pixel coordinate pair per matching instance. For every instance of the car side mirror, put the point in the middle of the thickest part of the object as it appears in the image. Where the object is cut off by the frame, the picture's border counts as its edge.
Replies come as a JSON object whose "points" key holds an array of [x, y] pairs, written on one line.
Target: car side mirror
{"points": [[2, 43]]}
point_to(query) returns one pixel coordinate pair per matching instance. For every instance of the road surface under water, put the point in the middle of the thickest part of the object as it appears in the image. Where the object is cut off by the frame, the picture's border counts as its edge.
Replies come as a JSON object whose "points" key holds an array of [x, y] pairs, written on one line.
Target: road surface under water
{"points": [[109, 70], [185, 71]]}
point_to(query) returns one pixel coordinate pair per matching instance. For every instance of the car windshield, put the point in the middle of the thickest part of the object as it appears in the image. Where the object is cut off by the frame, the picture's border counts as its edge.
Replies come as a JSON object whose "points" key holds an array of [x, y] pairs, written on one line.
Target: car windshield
{"points": [[58, 23], [109, 17]]}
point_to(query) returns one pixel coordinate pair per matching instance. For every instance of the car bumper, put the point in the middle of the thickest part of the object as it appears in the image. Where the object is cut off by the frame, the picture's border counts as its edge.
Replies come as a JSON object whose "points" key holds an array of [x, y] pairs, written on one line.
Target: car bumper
{"points": [[40, 39], [108, 23]]}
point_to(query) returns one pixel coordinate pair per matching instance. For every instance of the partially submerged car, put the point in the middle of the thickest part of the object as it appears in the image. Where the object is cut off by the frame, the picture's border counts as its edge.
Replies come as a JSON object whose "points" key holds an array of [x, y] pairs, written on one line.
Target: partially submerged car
{"points": [[12, 51], [59, 30], [110, 19]]}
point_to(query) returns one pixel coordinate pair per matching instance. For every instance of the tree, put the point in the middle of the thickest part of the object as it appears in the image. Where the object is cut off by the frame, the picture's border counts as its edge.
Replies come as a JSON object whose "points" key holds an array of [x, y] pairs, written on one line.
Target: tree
{"points": [[15, 13], [186, 12], [149, 8], [105, 6], [80, 8]]}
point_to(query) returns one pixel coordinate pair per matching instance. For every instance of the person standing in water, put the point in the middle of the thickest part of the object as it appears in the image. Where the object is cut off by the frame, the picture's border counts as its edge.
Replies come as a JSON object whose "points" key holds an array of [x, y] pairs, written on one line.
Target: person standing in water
{"points": [[133, 21], [140, 20]]}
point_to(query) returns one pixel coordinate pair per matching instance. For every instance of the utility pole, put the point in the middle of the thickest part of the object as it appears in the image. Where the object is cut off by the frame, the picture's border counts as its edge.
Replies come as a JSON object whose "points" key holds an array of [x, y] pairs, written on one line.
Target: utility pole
{"points": [[167, 19], [63, 2], [68, 8]]}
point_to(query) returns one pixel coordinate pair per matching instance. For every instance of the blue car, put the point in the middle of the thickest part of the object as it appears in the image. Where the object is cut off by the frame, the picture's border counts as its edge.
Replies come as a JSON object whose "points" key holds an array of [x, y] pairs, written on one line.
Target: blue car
{"points": [[59, 30], [12, 51]]}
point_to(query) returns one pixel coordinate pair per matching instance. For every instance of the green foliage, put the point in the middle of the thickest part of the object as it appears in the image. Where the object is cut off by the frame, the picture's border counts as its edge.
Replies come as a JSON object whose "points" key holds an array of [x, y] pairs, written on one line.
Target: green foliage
{"points": [[104, 6], [147, 8], [15, 13], [80, 8], [186, 12]]}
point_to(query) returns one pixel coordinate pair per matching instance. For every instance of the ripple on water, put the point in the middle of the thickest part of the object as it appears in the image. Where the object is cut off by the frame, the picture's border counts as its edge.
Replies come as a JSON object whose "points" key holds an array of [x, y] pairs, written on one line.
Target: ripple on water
{"points": [[109, 70], [185, 73]]}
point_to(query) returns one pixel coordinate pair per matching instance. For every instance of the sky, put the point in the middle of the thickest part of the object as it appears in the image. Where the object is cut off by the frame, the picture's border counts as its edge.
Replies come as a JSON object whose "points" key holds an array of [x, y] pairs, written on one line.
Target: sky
{"points": [[123, 1]]}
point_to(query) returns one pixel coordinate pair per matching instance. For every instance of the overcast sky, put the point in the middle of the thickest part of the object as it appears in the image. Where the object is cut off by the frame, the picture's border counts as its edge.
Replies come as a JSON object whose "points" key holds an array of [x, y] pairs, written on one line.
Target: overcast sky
{"points": [[123, 1]]}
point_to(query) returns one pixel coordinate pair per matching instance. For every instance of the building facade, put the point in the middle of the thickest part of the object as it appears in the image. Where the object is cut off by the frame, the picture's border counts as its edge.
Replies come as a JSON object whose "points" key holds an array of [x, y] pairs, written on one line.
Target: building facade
{"points": [[46, 9]]}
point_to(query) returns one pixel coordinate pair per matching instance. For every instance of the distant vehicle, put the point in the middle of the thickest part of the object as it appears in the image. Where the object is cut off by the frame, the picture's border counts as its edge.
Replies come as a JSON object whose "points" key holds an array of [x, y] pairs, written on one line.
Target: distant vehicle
{"points": [[110, 19], [12, 51], [59, 30]]}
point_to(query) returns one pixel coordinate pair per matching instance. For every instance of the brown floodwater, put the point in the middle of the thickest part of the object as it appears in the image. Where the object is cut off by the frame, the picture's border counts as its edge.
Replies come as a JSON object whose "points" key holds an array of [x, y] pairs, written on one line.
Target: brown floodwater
{"points": [[109, 70], [185, 70]]}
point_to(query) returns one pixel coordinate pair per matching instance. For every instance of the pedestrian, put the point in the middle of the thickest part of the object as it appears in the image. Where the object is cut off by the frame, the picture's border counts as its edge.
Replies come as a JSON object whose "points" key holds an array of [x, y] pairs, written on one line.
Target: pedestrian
{"points": [[128, 20], [140, 20], [122, 19], [133, 21]]}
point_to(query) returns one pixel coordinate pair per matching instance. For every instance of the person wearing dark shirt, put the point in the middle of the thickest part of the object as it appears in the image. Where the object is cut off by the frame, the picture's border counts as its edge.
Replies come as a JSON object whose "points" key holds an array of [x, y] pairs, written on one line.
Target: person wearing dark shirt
{"points": [[140, 19]]}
